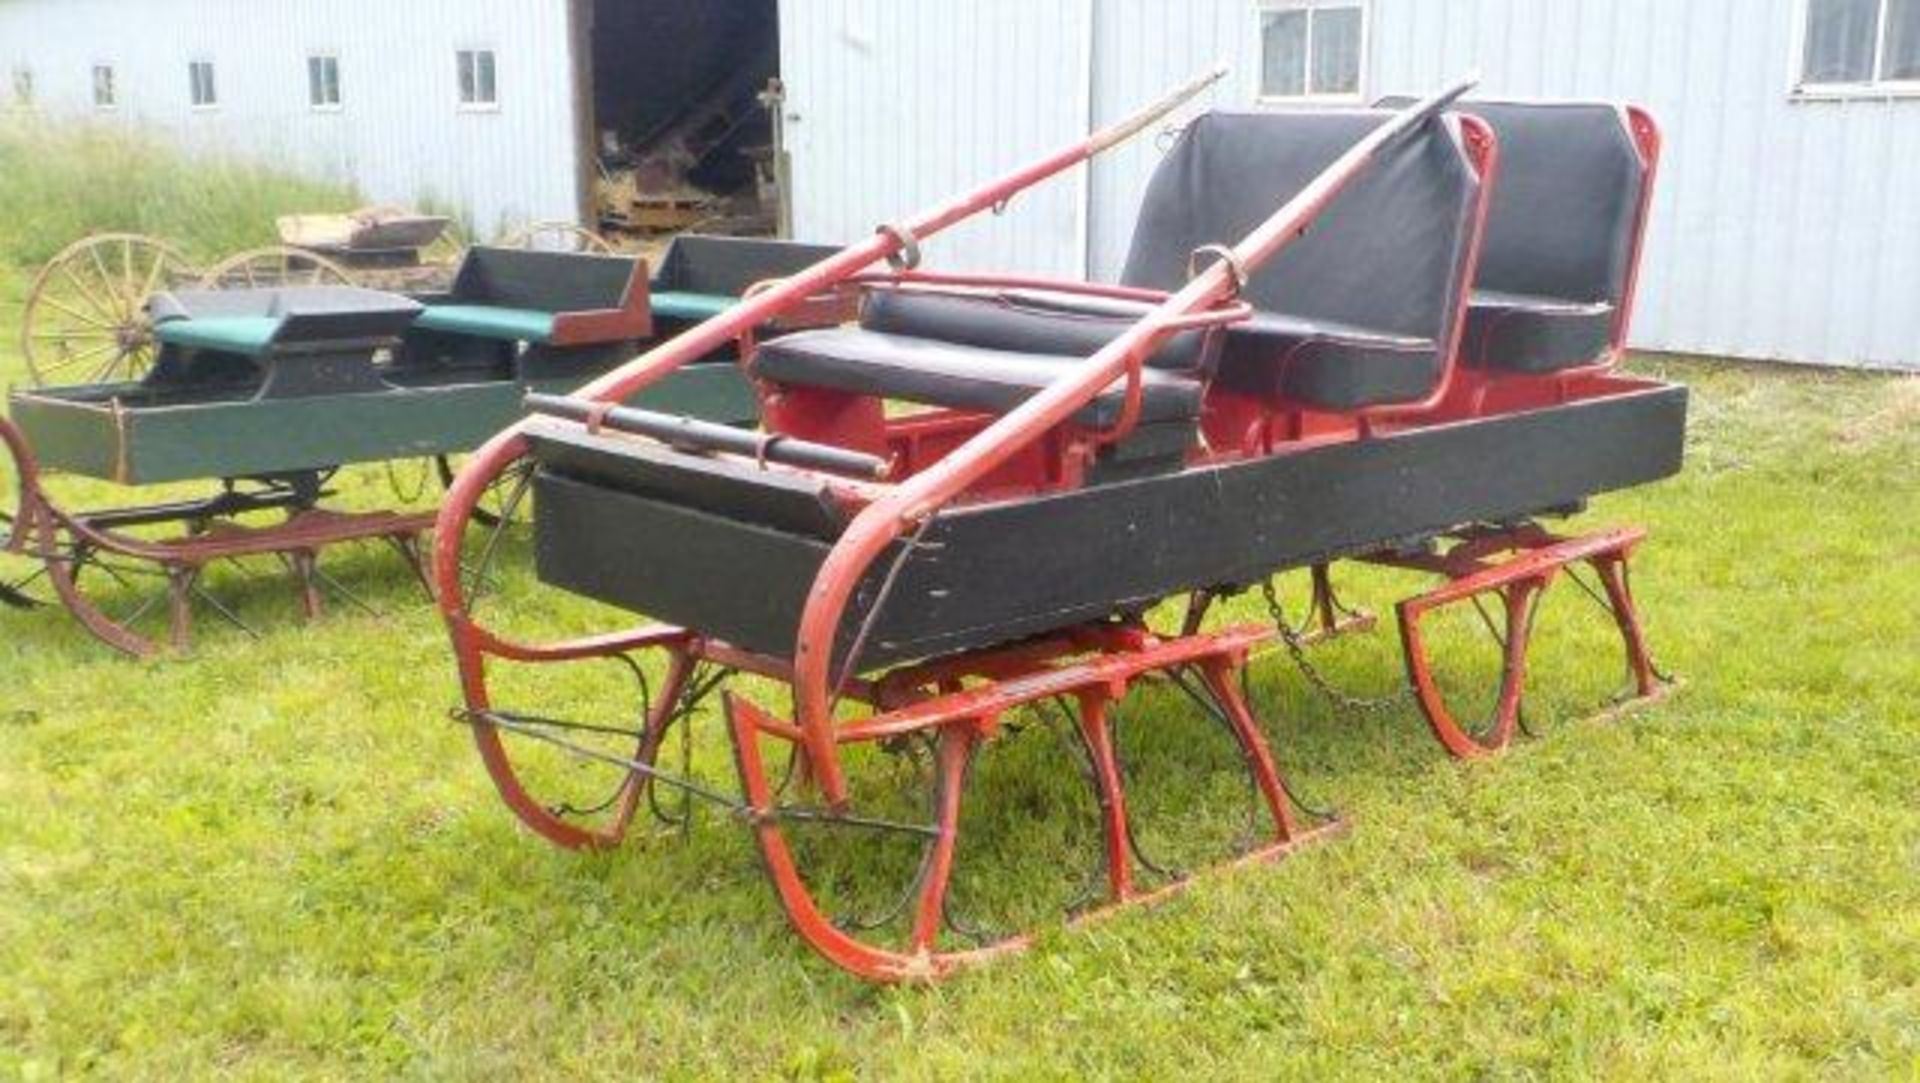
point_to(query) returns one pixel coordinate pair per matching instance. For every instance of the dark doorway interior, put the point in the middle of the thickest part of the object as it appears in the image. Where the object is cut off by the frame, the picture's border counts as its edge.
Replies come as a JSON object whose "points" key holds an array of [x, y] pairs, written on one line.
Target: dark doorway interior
{"points": [[683, 132]]}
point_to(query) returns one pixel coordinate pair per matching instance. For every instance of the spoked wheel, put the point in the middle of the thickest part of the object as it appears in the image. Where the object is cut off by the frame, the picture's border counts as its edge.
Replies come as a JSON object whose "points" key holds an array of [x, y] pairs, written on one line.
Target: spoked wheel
{"points": [[86, 320], [492, 544], [558, 237], [275, 265], [507, 500]]}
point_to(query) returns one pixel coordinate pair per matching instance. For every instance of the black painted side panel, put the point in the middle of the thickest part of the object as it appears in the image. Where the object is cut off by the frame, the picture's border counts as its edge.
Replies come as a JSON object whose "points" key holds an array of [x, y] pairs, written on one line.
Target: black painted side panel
{"points": [[993, 573]]}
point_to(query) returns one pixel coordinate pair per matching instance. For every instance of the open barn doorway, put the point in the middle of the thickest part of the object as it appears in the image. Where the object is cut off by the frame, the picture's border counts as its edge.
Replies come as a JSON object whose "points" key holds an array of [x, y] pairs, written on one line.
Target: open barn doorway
{"points": [[684, 100]]}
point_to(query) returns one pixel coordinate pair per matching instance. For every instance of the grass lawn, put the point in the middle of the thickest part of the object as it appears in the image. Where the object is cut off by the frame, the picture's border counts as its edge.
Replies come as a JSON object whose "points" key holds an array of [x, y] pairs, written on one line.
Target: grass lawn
{"points": [[279, 857]]}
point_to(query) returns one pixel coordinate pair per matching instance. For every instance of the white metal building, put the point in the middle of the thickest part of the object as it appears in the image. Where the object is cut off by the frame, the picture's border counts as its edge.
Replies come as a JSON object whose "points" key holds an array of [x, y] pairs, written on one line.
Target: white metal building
{"points": [[1787, 222], [466, 103], [488, 107]]}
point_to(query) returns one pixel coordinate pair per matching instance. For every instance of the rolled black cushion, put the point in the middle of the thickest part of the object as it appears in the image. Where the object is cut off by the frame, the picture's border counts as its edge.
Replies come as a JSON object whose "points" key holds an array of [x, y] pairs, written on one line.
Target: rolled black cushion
{"points": [[1516, 333], [1332, 365], [954, 374], [1024, 321]]}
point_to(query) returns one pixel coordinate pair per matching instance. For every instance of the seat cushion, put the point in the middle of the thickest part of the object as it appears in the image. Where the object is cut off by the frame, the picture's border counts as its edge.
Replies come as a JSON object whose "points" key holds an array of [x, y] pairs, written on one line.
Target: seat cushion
{"points": [[955, 375], [247, 336], [488, 321], [1515, 332], [1025, 321], [680, 305], [1325, 365]]}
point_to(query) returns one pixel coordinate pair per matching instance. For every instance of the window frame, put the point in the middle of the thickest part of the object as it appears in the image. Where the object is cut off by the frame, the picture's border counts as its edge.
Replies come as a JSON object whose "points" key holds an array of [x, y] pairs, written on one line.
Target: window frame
{"points": [[113, 86], [1263, 8], [193, 85], [1799, 89], [477, 105], [325, 56]]}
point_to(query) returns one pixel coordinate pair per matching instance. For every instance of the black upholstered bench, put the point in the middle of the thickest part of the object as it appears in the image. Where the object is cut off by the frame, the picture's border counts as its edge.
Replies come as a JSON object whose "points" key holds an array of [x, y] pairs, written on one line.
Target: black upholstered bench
{"points": [[1359, 312], [287, 342], [1562, 238]]}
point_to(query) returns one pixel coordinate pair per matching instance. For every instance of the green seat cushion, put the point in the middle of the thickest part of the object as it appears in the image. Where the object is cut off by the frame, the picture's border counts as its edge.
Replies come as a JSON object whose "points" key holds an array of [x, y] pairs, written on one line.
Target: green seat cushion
{"points": [[691, 306], [488, 321], [244, 335]]}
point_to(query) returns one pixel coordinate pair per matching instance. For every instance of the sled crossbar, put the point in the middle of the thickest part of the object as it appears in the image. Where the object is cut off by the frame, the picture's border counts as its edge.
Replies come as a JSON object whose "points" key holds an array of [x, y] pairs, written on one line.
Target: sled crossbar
{"points": [[694, 435], [1105, 669]]}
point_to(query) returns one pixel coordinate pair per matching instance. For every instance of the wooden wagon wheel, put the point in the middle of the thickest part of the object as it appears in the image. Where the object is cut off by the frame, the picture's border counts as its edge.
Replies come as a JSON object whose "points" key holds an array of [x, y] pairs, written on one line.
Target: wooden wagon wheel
{"points": [[275, 265], [558, 237], [86, 320]]}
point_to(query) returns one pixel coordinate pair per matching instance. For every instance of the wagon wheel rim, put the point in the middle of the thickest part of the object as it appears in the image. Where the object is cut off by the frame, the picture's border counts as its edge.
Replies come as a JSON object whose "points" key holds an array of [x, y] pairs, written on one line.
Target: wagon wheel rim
{"points": [[276, 265], [85, 319], [558, 237], [504, 503]]}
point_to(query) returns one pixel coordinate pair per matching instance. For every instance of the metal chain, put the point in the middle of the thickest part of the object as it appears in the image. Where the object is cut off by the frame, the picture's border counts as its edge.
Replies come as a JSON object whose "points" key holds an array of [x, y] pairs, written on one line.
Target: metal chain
{"points": [[1344, 703]]}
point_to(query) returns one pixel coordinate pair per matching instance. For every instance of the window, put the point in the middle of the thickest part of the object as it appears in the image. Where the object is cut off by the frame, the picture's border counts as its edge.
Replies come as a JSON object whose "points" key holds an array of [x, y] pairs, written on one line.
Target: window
{"points": [[1312, 48], [105, 94], [1861, 45], [323, 81], [23, 86], [200, 78], [476, 79]]}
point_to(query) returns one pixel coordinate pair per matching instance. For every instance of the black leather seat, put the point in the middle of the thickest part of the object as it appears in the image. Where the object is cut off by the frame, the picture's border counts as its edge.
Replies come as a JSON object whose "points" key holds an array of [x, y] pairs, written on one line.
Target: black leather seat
{"points": [[1516, 332], [983, 351], [1561, 238], [1352, 314], [955, 374]]}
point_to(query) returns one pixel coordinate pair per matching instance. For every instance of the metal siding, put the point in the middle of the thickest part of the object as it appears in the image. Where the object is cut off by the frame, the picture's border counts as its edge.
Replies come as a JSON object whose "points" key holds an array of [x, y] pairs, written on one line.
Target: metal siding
{"points": [[894, 105], [1780, 229], [399, 136]]}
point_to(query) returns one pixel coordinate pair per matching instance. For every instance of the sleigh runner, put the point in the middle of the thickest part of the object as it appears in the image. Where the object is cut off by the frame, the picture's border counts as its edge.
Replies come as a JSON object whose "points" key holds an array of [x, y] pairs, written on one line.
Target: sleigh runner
{"points": [[1296, 368]]}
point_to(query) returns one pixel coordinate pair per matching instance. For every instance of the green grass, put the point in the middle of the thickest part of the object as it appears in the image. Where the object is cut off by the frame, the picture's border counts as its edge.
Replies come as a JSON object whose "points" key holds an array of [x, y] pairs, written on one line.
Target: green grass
{"points": [[280, 858], [58, 183]]}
